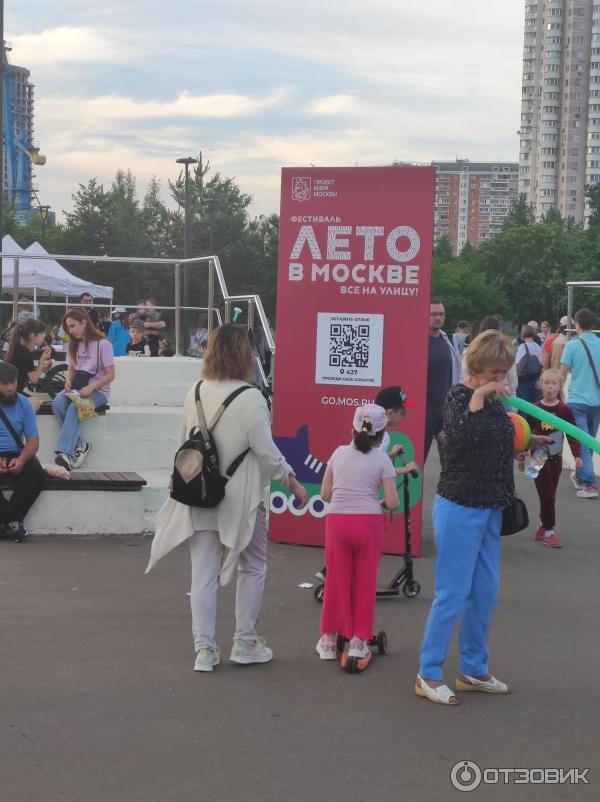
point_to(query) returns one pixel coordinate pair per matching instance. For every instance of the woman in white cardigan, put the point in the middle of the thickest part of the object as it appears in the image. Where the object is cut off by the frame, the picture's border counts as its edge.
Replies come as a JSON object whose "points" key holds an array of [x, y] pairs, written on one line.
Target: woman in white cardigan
{"points": [[234, 532]]}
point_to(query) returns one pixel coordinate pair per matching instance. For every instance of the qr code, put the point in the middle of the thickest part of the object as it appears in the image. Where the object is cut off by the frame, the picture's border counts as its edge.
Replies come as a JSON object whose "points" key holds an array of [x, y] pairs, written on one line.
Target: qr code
{"points": [[349, 345]]}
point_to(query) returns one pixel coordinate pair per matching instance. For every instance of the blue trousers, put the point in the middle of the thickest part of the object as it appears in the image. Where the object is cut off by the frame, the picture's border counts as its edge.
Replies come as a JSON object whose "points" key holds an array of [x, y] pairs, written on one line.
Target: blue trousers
{"points": [[467, 579], [66, 414], [588, 419]]}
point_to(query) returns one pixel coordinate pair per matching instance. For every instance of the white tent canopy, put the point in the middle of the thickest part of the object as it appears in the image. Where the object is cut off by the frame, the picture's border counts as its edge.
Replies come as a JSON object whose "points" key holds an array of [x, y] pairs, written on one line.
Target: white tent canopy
{"points": [[44, 275]]}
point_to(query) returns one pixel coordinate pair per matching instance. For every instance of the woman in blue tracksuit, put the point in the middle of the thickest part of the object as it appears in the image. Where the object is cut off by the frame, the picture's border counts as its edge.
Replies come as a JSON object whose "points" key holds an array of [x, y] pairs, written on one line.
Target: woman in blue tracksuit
{"points": [[476, 483]]}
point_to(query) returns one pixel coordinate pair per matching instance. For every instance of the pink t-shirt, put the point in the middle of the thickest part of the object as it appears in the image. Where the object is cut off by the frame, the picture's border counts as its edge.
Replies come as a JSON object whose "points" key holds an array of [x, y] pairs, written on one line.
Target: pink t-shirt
{"points": [[357, 479], [96, 357]]}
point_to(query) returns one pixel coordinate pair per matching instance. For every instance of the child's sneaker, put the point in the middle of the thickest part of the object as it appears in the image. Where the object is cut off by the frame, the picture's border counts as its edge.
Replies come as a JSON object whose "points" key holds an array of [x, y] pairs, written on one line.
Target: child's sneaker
{"points": [[326, 647], [576, 483], [207, 658], [16, 531], [552, 541], [588, 491], [358, 648], [539, 535], [245, 652]]}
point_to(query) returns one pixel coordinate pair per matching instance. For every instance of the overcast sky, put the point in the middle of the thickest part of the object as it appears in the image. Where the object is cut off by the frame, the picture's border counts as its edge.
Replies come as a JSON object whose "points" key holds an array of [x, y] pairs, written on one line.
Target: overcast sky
{"points": [[258, 85]]}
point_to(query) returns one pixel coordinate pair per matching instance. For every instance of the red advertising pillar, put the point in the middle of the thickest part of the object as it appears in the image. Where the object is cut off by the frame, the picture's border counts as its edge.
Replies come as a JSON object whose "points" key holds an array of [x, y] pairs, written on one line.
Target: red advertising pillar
{"points": [[353, 291]]}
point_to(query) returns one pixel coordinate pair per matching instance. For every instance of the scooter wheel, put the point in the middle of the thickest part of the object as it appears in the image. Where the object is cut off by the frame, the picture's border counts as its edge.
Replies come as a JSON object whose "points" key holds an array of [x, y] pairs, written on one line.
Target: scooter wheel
{"points": [[352, 665], [318, 593], [381, 640], [411, 589], [340, 643]]}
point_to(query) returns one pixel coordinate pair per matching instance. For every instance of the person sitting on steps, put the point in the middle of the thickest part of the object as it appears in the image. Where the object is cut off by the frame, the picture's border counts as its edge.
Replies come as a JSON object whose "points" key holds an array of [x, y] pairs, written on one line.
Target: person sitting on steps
{"points": [[26, 338], [91, 370], [18, 461]]}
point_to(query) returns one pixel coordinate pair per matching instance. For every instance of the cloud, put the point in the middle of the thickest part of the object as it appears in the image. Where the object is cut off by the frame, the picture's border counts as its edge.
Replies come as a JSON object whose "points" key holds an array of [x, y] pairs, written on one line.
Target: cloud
{"points": [[332, 104], [68, 45], [110, 108]]}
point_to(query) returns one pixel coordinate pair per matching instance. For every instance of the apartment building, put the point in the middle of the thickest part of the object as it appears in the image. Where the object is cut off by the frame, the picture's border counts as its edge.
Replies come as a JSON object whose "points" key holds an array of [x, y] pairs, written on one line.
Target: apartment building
{"points": [[472, 199], [560, 106]]}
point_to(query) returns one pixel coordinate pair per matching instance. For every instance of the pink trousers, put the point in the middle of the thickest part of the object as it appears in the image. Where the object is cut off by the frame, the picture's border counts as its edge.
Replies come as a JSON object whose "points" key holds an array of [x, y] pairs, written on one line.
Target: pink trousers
{"points": [[353, 546]]}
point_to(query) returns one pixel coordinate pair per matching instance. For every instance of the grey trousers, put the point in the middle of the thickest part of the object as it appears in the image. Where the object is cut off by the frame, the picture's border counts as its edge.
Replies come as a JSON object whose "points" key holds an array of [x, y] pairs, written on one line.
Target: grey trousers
{"points": [[207, 554]]}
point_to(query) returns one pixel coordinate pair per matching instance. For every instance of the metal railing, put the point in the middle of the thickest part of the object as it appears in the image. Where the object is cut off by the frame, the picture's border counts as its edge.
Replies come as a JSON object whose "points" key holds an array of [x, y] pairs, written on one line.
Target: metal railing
{"points": [[214, 270], [571, 286]]}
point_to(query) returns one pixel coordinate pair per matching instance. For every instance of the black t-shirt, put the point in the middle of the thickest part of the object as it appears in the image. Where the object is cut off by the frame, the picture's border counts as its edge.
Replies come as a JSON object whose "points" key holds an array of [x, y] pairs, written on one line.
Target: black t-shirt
{"points": [[22, 359], [137, 347], [439, 374], [477, 456]]}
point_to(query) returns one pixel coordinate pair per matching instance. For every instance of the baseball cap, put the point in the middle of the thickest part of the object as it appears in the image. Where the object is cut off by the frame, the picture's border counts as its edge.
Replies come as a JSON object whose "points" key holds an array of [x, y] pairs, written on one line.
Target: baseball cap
{"points": [[564, 321], [8, 372], [394, 397], [370, 413]]}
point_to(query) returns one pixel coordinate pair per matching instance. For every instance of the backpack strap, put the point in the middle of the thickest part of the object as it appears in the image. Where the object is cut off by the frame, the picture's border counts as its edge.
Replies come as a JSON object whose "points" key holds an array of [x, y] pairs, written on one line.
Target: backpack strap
{"points": [[11, 429], [204, 430], [591, 361], [231, 397]]}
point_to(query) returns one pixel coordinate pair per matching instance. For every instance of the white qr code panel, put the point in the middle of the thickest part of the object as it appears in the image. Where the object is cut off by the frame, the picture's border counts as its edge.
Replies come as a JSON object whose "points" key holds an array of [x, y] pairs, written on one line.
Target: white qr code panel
{"points": [[349, 349]]}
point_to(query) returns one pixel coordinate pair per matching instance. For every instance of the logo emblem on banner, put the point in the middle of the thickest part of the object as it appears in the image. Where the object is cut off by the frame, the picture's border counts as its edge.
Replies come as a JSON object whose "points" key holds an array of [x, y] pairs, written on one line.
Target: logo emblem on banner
{"points": [[301, 189]]}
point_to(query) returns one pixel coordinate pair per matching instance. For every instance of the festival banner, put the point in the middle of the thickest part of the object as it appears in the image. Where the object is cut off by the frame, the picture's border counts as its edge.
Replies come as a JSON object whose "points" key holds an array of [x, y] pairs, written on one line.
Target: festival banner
{"points": [[353, 292]]}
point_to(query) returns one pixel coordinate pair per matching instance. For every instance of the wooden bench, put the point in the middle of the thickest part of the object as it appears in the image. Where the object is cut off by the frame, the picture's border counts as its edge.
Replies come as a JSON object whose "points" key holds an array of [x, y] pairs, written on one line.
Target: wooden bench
{"points": [[90, 480]]}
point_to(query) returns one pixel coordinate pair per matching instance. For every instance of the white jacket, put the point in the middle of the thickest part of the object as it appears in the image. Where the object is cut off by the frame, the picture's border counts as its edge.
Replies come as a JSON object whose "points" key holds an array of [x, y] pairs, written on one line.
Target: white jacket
{"points": [[244, 424]]}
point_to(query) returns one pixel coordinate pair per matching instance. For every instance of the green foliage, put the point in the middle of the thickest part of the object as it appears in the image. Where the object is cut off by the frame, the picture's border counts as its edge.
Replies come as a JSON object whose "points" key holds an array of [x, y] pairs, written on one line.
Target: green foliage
{"points": [[520, 214]]}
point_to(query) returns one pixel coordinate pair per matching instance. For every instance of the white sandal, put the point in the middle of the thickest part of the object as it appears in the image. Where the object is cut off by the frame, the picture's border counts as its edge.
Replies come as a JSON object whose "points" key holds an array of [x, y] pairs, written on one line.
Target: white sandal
{"points": [[491, 685], [442, 695]]}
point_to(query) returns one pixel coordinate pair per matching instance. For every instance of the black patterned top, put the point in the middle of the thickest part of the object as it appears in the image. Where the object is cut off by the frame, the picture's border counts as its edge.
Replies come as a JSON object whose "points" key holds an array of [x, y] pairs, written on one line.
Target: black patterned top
{"points": [[477, 457]]}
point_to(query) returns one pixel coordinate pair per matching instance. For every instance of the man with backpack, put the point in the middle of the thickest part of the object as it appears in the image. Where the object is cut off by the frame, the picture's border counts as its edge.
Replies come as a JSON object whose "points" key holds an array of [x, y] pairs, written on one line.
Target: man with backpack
{"points": [[529, 365], [581, 358], [19, 442]]}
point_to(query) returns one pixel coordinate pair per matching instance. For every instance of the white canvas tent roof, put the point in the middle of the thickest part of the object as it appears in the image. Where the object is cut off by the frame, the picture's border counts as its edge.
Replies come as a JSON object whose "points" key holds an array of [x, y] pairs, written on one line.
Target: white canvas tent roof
{"points": [[44, 275]]}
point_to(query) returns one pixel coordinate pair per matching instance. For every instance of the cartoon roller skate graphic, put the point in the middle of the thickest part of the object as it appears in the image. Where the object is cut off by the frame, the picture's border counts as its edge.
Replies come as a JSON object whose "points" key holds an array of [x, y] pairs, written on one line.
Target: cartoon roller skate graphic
{"points": [[308, 469]]}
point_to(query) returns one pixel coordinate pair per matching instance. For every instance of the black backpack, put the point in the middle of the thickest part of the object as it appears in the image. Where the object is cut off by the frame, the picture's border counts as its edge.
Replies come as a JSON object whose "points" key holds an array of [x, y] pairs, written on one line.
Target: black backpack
{"points": [[196, 480], [529, 367]]}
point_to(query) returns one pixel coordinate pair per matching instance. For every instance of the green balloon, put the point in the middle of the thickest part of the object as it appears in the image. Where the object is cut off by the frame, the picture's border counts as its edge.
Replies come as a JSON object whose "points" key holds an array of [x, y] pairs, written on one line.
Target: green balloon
{"points": [[562, 425]]}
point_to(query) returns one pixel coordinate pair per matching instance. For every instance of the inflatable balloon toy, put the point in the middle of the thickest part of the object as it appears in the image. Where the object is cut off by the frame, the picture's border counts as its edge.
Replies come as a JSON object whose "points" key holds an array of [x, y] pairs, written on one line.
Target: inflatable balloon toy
{"points": [[584, 438], [522, 432]]}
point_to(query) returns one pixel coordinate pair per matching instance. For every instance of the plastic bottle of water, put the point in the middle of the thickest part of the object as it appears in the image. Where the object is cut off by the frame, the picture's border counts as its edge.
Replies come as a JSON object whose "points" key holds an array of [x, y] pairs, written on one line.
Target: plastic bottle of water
{"points": [[536, 462]]}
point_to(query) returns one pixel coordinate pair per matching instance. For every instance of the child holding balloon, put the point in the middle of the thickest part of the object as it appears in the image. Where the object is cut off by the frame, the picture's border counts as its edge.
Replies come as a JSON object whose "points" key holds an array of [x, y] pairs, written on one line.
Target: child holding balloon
{"points": [[547, 480]]}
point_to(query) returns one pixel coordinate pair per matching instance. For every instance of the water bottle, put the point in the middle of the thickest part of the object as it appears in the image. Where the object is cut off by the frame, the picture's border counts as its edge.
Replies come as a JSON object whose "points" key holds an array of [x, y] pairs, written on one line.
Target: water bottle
{"points": [[536, 462]]}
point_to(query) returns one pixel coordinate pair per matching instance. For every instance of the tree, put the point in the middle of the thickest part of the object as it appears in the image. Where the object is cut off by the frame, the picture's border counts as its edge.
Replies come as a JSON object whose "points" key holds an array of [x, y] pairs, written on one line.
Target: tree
{"points": [[442, 249], [592, 193], [520, 214], [466, 292]]}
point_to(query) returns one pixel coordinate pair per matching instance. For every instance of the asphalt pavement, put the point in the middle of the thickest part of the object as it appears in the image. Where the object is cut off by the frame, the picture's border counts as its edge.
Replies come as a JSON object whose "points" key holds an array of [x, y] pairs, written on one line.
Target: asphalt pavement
{"points": [[99, 701]]}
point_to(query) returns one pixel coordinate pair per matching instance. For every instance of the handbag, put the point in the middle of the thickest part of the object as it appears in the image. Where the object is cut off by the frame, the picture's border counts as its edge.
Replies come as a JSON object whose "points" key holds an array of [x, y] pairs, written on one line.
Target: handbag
{"points": [[81, 378], [515, 517]]}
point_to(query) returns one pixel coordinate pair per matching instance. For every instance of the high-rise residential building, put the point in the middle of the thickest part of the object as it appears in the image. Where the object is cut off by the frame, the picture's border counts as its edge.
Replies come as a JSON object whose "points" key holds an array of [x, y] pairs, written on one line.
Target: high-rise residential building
{"points": [[19, 150], [472, 199], [560, 107]]}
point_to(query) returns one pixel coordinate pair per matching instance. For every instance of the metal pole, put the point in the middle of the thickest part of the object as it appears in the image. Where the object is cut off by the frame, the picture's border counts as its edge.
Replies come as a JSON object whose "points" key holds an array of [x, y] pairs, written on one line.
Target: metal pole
{"points": [[227, 311], [1, 136], [251, 313], [15, 289], [569, 311], [211, 294], [186, 228], [178, 309]]}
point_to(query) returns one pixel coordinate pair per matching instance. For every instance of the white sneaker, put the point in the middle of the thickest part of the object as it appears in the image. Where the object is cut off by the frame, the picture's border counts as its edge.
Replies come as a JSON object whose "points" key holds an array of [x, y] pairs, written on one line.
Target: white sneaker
{"points": [[358, 648], [326, 647], [588, 491], [81, 453], [64, 460], [245, 653], [576, 483], [207, 658]]}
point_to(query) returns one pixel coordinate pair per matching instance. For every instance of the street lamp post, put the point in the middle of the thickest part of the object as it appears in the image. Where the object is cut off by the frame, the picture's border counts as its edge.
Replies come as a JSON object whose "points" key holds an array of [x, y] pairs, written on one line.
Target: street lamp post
{"points": [[186, 161], [44, 211]]}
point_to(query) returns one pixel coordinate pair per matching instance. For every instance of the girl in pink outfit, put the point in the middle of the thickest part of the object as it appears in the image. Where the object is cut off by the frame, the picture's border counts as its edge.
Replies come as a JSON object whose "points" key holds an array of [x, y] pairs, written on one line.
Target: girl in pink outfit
{"points": [[354, 533]]}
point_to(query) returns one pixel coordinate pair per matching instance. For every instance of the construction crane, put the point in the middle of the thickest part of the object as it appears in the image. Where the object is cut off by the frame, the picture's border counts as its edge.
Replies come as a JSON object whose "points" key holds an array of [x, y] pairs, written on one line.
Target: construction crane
{"points": [[20, 152]]}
